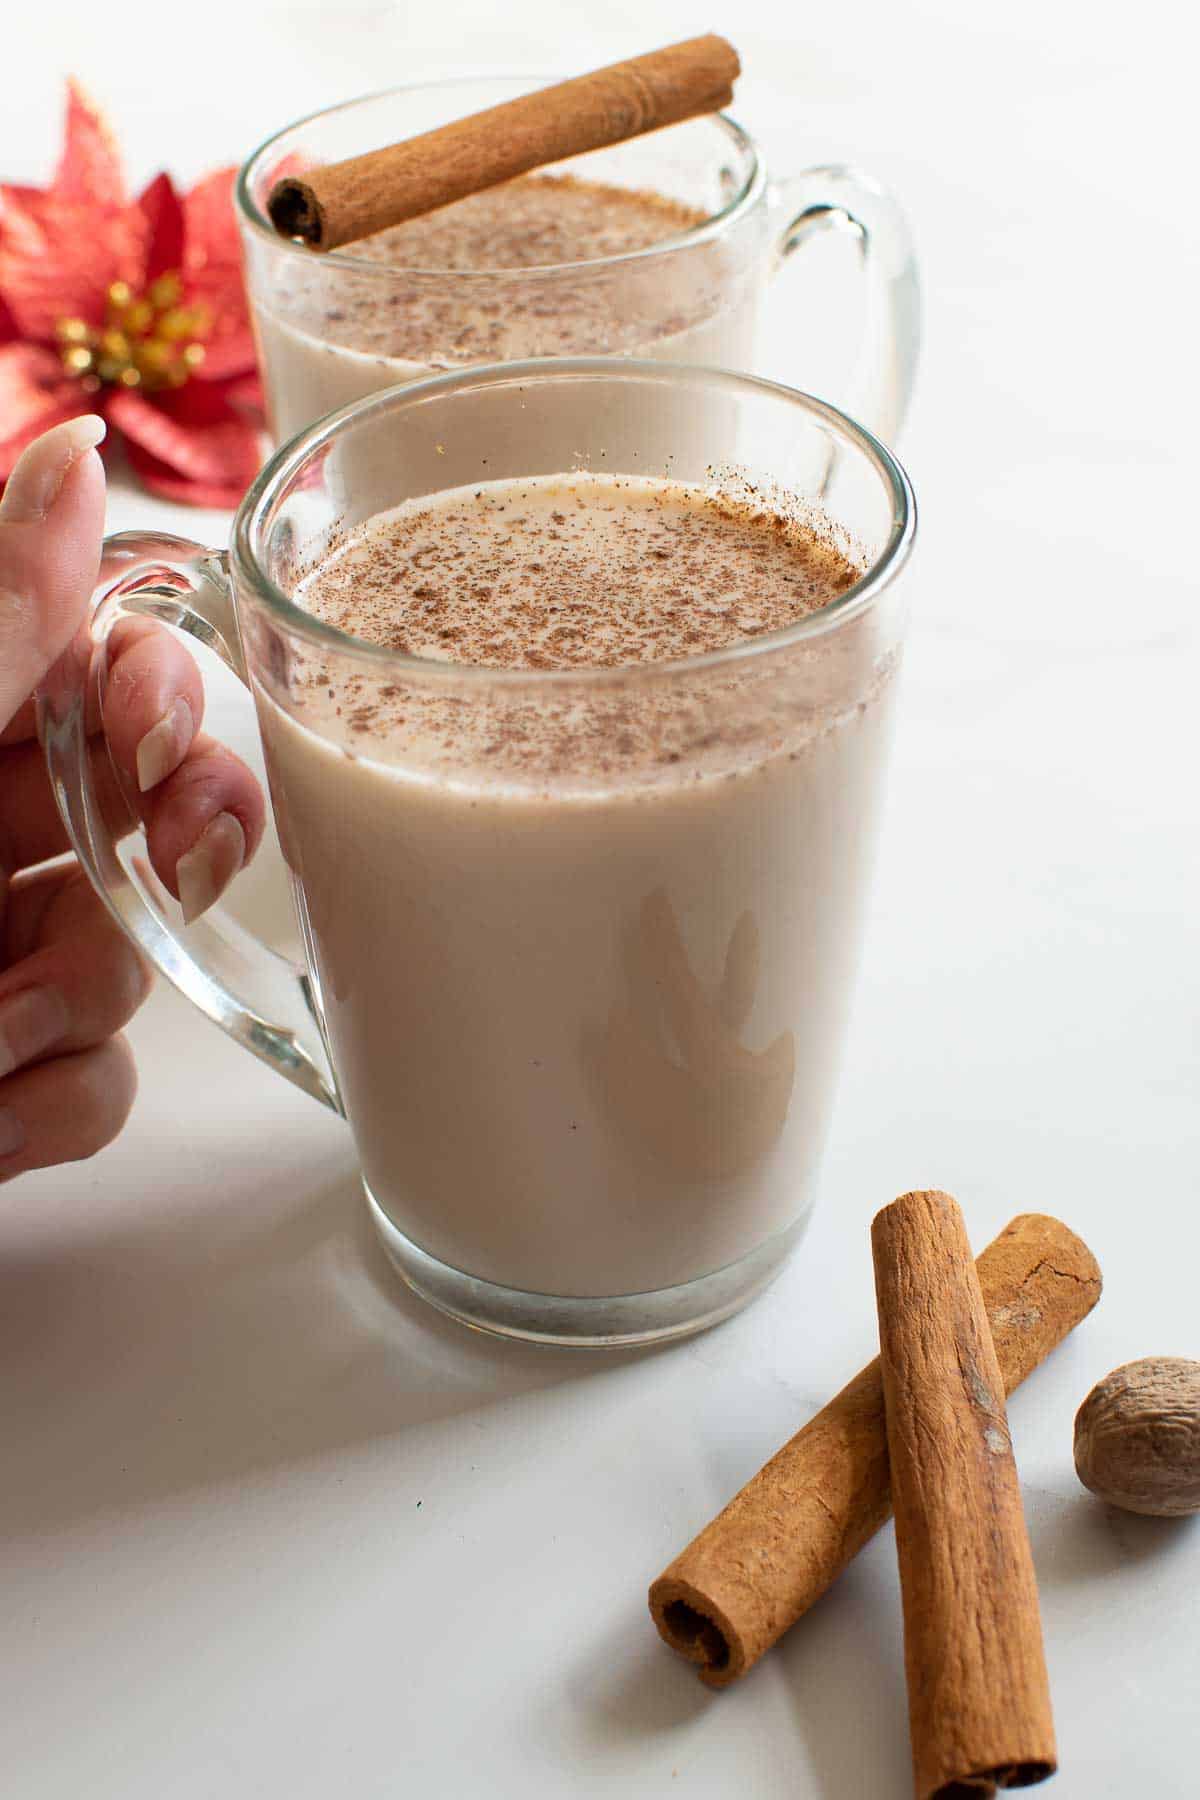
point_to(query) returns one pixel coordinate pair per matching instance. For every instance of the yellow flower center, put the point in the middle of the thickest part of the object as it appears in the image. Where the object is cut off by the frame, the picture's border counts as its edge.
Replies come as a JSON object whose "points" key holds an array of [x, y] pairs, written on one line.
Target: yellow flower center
{"points": [[147, 341]]}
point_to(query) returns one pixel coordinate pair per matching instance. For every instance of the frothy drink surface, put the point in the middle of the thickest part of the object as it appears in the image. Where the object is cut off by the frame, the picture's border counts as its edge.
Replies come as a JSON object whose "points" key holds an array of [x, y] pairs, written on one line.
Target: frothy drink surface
{"points": [[586, 1031], [533, 222], [329, 334], [573, 571], [539, 221]]}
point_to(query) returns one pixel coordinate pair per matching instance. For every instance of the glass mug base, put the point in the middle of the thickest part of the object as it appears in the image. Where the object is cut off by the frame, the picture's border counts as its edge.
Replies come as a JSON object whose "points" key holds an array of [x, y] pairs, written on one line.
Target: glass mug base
{"points": [[610, 1322]]}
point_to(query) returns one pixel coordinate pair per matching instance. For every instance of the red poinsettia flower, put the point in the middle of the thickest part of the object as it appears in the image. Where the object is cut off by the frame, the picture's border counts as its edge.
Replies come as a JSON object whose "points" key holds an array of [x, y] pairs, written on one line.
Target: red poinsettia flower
{"points": [[131, 308]]}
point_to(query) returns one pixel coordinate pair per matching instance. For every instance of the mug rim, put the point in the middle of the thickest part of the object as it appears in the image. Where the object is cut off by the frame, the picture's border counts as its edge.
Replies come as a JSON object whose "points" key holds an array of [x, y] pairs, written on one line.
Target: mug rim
{"points": [[250, 523], [714, 226]]}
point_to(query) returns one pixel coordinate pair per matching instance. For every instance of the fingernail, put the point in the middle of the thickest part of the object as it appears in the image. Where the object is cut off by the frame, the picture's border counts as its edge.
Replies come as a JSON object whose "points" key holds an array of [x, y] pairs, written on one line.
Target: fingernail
{"points": [[35, 483], [165, 745], [30, 1022], [12, 1132], [205, 871]]}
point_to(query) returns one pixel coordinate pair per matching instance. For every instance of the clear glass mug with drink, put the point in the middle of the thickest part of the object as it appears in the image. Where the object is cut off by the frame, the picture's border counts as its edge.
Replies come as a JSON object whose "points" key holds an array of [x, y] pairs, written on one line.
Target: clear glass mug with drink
{"points": [[331, 328], [579, 943]]}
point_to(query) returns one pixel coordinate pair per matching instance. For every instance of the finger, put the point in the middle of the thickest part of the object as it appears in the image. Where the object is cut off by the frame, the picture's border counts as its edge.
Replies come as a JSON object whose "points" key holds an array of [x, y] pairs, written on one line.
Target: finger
{"points": [[31, 827], [21, 726], [51, 521], [203, 824], [154, 702], [211, 782], [65, 1109], [74, 978]]}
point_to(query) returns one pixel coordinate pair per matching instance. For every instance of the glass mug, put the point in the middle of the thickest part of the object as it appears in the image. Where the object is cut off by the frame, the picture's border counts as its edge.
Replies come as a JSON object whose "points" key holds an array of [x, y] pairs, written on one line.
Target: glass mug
{"points": [[331, 328], [578, 946]]}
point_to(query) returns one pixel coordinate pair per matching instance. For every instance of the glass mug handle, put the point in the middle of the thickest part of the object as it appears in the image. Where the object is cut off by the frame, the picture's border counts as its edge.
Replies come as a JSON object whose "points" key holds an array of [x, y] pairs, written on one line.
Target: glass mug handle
{"points": [[842, 199], [263, 1000]]}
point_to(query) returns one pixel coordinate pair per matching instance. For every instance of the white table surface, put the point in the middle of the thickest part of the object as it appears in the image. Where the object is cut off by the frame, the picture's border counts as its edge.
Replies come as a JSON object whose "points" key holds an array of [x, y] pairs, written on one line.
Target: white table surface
{"points": [[270, 1526]]}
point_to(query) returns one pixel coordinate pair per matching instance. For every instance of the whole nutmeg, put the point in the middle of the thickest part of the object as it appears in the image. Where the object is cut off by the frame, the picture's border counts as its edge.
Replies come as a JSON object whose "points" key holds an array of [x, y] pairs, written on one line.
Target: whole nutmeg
{"points": [[1137, 1437]]}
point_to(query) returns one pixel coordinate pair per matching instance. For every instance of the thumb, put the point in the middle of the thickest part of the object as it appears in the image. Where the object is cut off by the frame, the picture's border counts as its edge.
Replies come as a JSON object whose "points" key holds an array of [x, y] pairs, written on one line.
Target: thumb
{"points": [[51, 522]]}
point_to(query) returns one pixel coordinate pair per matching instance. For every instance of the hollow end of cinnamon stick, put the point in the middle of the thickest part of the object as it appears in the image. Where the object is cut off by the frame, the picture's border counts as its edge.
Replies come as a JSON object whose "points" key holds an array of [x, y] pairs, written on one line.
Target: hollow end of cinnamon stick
{"points": [[295, 211], [1001, 1776], [688, 1621]]}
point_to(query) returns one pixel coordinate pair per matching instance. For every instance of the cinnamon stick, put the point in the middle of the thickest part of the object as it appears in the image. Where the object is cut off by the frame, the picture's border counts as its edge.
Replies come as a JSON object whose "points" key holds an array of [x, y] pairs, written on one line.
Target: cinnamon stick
{"points": [[787, 1536], [343, 201], [978, 1693]]}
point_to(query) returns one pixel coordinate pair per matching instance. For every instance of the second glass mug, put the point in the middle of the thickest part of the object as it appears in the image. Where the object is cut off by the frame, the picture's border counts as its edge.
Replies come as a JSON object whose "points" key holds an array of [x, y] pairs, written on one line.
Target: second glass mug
{"points": [[331, 328], [579, 946]]}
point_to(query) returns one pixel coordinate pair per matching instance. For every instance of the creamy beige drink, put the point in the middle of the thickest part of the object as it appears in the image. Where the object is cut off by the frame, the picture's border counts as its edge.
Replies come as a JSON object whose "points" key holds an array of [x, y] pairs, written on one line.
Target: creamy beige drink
{"points": [[585, 963], [327, 335]]}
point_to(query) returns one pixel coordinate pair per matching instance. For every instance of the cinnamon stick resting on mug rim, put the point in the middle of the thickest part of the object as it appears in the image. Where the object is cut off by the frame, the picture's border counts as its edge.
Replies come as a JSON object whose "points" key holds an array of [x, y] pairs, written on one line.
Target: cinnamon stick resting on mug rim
{"points": [[348, 200], [978, 1691], [787, 1536]]}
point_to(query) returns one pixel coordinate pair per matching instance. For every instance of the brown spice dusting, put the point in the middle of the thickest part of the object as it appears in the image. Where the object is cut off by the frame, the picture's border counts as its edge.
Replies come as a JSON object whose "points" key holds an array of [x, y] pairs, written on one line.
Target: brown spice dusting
{"points": [[533, 222], [590, 589], [536, 221], [444, 580]]}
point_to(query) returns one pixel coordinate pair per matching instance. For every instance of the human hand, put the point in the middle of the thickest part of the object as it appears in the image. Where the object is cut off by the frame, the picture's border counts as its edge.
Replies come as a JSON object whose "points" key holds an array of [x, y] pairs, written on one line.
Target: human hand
{"points": [[69, 977]]}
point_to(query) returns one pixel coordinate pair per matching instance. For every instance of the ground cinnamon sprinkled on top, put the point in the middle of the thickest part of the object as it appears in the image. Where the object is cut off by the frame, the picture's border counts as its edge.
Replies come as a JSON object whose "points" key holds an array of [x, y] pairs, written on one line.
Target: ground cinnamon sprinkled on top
{"points": [[573, 571], [418, 312], [531, 222]]}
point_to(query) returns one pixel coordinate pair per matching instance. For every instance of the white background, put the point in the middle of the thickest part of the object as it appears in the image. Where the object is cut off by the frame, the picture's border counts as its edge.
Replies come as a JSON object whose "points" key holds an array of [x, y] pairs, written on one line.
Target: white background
{"points": [[272, 1528]]}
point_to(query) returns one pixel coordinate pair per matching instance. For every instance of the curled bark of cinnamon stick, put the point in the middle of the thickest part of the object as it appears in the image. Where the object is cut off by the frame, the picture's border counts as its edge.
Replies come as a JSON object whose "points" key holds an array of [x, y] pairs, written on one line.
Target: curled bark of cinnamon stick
{"points": [[787, 1536], [978, 1692], [347, 200]]}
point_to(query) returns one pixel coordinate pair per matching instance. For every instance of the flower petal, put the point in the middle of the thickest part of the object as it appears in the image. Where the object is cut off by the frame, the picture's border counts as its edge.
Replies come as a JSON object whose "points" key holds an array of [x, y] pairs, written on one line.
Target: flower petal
{"points": [[89, 172], [61, 247], [209, 460], [57, 259], [162, 210], [158, 478], [8, 325], [228, 351], [212, 273], [35, 393], [244, 396], [211, 236]]}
